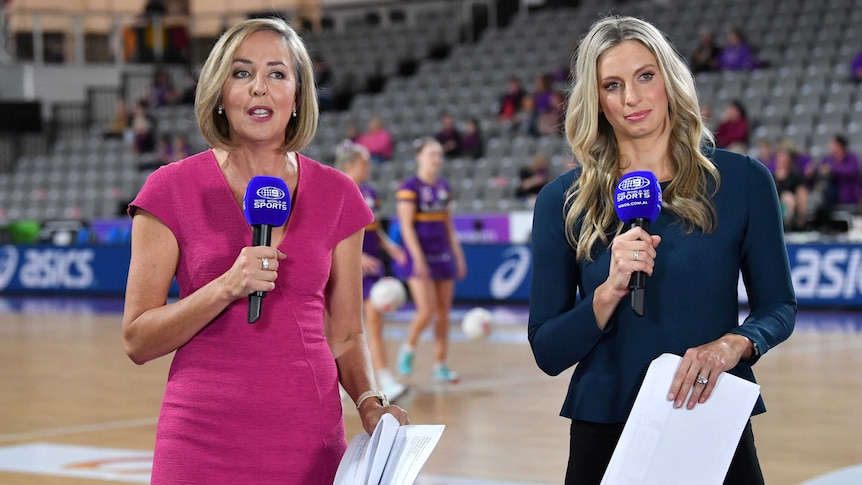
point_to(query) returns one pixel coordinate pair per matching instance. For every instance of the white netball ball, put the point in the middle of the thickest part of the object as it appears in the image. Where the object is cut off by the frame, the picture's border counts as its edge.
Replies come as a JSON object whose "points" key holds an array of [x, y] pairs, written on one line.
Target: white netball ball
{"points": [[477, 323], [387, 295]]}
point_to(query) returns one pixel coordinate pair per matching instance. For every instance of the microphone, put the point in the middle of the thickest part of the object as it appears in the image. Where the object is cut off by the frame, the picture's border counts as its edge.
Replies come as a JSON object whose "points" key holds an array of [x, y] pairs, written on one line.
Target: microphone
{"points": [[638, 203], [266, 205]]}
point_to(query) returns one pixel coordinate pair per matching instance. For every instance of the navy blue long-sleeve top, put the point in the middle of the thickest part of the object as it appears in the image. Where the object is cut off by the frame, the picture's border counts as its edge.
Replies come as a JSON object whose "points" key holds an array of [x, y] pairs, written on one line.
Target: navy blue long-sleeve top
{"points": [[691, 297]]}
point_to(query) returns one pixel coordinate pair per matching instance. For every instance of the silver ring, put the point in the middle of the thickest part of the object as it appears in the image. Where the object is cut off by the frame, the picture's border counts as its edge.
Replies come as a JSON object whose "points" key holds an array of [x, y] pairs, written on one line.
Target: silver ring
{"points": [[264, 263], [702, 380], [637, 255]]}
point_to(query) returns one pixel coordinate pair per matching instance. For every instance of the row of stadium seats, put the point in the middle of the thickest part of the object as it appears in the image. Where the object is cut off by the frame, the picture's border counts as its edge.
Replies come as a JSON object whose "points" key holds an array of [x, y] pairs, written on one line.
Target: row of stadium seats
{"points": [[803, 95]]}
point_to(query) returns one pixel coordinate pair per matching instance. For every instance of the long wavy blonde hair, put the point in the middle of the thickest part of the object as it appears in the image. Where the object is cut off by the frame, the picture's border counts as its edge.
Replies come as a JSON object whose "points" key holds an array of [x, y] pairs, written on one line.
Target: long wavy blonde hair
{"points": [[594, 145]]}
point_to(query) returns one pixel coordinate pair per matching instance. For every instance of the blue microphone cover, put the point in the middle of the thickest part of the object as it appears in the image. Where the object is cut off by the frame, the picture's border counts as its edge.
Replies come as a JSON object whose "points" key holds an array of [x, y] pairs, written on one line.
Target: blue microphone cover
{"points": [[266, 201], [638, 196]]}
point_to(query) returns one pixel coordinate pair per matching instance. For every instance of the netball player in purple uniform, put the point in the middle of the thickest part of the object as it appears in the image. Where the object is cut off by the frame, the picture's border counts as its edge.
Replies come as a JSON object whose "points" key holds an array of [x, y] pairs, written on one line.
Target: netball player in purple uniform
{"points": [[435, 257], [355, 162]]}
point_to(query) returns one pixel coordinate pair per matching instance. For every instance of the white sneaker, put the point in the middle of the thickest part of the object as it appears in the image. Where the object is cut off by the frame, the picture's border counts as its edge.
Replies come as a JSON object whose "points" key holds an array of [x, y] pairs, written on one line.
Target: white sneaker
{"points": [[392, 388]]}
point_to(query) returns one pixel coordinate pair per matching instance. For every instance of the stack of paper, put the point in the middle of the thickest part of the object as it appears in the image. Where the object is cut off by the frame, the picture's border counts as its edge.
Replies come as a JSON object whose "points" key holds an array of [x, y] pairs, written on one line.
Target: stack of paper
{"points": [[392, 455], [662, 444]]}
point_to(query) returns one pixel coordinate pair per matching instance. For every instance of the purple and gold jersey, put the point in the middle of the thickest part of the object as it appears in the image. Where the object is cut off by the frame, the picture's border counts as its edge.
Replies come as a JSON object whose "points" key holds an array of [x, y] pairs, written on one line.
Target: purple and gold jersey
{"points": [[432, 202], [371, 243]]}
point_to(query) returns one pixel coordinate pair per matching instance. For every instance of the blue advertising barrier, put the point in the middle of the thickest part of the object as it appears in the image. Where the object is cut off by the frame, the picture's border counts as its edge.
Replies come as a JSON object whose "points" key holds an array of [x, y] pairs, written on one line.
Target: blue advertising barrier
{"points": [[90, 270], [496, 272], [824, 275]]}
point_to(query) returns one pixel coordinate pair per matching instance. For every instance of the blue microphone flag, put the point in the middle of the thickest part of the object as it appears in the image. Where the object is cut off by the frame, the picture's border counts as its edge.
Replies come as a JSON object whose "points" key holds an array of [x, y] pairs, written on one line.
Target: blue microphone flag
{"points": [[638, 196], [266, 201]]}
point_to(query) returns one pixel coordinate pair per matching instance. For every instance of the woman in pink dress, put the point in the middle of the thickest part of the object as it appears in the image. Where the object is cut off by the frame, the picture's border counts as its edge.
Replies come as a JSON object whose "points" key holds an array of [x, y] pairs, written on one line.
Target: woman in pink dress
{"points": [[252, 403]]}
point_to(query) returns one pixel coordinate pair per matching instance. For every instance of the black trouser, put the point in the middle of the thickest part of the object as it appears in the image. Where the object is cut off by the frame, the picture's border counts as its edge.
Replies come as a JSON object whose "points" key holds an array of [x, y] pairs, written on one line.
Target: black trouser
{"points": [[592, 444]]}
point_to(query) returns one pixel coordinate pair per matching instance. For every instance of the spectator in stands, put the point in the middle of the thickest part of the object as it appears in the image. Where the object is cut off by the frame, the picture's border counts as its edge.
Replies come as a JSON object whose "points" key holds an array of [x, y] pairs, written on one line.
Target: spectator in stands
{"points": [[856, 68], [180, 147], [510, 102], [377, 140], [724, 219], [845, 167], [472, 143], [448, 136], [822, 192], [737, 54], [120, 122], [766, 154], [705, 56], [532, 178], [526, 120], [269, 389], [552, 121], [792, 191], [164, 151], [801, 160], [187, 95], [543, 92], [733, 127], [161, 92], [143, 128]]}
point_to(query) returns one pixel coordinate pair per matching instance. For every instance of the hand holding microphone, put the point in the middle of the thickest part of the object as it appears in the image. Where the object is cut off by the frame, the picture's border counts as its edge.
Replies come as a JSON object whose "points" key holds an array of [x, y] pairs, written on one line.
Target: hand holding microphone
{"points": [[266, 205], [637, 200]]}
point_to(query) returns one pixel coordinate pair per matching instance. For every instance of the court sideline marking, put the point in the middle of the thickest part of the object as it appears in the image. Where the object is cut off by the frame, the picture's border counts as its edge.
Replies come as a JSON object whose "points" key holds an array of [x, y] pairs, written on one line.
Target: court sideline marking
{"points": [[85, 428]]}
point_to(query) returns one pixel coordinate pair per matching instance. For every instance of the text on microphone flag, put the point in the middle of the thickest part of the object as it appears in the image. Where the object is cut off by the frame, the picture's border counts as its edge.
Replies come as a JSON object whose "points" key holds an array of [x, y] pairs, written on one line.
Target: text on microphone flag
{"points": [[633, 194]]}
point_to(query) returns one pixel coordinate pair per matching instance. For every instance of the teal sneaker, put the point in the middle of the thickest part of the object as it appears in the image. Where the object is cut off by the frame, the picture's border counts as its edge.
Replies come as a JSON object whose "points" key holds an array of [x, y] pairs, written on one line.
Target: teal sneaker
{"points": [[444, 375], [405, 361]]}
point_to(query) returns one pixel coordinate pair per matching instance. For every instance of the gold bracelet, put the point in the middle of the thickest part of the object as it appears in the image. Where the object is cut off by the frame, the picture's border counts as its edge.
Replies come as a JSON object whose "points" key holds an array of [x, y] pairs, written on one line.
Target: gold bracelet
{"points": [[379, 395]]}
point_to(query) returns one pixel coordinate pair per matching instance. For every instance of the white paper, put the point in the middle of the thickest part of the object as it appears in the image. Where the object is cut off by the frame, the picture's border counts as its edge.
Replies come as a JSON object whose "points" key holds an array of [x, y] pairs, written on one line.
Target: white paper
{"points": [[661, 444], [392, 455]]}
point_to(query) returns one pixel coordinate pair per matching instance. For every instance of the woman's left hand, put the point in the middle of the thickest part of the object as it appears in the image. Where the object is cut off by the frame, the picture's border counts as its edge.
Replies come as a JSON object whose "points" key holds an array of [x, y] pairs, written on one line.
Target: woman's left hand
{"points": [[701, 367], [371, 412]]}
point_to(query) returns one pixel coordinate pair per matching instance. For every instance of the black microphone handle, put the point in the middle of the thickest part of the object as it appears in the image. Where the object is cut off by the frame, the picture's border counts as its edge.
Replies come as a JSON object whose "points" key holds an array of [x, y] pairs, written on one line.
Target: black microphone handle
{"points": [[261, 235], [637, 283]]}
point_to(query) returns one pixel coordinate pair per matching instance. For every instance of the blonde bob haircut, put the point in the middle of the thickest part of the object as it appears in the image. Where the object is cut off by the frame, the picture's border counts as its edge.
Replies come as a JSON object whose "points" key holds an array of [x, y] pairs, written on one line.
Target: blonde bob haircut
{"points": [[215, 71], [348, 152], [590, 214]]}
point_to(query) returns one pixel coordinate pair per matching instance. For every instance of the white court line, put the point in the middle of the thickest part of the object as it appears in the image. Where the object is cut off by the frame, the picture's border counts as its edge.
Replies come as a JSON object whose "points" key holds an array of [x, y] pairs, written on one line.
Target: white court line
{"points": [[86, 428]]}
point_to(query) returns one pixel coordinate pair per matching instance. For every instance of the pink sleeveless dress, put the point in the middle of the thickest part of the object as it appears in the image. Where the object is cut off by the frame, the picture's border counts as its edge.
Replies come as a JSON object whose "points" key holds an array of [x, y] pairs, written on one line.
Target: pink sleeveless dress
{"points": [[252, 404]]}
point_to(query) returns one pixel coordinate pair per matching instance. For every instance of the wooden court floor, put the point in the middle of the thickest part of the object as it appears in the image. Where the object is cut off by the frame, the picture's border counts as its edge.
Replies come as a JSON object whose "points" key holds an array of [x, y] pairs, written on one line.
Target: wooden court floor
{"points": [[65, 380]]}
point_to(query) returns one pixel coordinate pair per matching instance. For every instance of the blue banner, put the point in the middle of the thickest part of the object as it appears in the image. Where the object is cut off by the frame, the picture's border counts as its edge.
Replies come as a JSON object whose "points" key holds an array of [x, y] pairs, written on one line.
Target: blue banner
{"points": [[828, 275], [92, 270], [84, 269], [824, 275], [496, 272]]}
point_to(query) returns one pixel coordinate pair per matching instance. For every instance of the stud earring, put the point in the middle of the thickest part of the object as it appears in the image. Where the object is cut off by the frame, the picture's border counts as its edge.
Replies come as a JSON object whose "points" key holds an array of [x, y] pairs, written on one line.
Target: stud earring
{"points": [[294, 111], [220, 110]]}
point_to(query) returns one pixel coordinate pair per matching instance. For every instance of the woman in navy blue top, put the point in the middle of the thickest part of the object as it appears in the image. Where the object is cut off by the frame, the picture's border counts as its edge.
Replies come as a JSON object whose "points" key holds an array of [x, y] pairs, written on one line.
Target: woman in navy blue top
{"points": [[633, 106]]}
